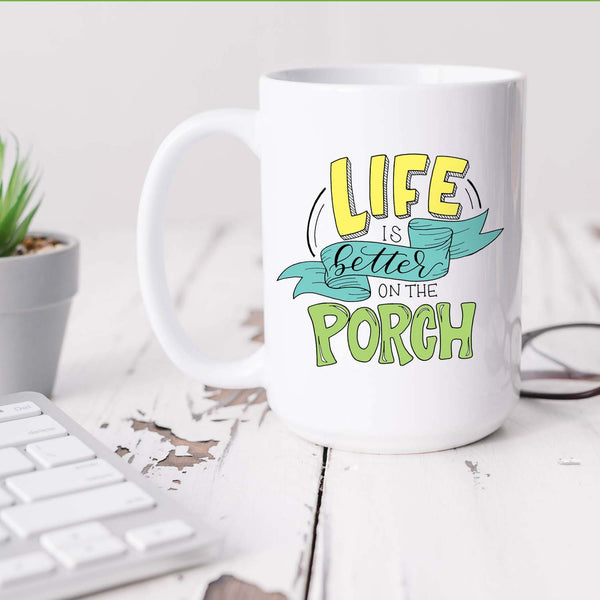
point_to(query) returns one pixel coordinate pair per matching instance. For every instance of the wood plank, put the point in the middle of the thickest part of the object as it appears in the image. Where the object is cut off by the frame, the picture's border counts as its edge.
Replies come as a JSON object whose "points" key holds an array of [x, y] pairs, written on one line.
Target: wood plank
{"points": [[513, 516], [221, 453]]}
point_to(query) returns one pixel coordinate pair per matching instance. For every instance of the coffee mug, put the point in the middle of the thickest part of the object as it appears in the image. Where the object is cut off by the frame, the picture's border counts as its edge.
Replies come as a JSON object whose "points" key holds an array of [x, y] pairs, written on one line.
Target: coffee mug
{"points": [[391, 211]]}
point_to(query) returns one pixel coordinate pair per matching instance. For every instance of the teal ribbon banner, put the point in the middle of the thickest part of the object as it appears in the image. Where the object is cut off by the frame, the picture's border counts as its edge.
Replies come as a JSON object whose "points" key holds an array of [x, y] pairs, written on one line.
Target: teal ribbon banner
{"points": [[344, 268]]}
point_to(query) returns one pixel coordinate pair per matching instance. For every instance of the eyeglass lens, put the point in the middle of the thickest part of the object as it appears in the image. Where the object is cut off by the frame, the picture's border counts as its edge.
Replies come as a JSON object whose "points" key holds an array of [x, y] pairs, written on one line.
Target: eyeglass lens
{"points": [[562, 361]]}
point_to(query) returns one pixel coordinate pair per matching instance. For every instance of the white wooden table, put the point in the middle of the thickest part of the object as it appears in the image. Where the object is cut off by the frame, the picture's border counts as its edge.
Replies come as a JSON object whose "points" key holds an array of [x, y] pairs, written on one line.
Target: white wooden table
{"points": [[499, 519]]}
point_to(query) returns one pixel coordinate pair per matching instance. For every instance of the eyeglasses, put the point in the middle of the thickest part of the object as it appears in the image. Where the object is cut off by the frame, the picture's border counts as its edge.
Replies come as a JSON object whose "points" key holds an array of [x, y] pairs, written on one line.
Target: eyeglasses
{"points": [[561, 362]]}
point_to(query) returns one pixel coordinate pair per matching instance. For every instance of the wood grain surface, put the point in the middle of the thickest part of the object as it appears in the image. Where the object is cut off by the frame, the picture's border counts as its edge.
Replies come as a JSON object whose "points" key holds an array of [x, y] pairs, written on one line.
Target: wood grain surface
{"points": [[513, 516]]}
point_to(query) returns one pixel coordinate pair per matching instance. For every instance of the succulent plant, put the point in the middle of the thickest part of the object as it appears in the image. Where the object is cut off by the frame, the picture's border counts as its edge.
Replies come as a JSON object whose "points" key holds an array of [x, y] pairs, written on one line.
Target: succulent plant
{"points": [[17, 190]]}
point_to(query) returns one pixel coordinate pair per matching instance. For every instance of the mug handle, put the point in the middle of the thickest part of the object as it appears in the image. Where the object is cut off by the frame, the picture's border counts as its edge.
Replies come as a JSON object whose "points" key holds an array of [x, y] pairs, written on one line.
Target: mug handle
{"points": [[242, 373]]}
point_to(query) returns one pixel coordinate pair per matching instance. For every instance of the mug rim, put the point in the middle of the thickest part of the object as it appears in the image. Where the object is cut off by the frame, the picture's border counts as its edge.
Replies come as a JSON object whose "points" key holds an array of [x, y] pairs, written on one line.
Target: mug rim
{"points": [[394, 75]]}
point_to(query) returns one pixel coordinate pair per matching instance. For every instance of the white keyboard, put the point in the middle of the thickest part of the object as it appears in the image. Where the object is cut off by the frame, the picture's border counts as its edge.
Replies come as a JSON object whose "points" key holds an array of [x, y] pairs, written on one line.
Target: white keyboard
{"points": [[74, 518]]}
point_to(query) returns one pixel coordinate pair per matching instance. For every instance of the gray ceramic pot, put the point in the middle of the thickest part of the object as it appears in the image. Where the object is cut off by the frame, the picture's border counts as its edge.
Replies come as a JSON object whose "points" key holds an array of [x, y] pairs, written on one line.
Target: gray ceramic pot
{"points": [[35, 298]]}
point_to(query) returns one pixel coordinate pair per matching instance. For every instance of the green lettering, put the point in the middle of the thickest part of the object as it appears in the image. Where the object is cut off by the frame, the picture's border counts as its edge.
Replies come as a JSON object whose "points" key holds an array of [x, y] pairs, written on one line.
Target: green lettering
{"points": [[448, 333], [363, 315], [390, 334], [424, 317], [323, 333]]}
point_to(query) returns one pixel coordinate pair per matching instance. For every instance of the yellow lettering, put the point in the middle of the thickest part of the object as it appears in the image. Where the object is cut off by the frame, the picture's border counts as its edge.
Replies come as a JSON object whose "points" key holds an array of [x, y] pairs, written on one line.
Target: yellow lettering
{"points": [[378, 185], [348, 223], [405, 166], [440, 188]]}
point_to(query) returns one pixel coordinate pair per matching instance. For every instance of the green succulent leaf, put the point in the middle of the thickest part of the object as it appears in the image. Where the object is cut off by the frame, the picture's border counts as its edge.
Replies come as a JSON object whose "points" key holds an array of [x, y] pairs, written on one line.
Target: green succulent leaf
{"points": [[2, 147], [17, 190], [18, 234]]}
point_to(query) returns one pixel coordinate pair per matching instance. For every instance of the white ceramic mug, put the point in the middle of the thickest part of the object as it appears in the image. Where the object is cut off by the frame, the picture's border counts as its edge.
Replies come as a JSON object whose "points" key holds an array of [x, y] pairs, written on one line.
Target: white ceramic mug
{"points": [[391, 206]]}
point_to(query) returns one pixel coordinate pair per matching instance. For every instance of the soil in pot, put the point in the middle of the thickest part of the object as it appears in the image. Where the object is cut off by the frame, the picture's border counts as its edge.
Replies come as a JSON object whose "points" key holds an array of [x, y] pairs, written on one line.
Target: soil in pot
{"points": [[38, 244]]}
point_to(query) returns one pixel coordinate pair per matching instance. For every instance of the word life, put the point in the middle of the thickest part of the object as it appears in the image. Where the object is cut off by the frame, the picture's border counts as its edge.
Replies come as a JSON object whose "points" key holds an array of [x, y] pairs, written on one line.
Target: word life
{"points": [[351, 224]]}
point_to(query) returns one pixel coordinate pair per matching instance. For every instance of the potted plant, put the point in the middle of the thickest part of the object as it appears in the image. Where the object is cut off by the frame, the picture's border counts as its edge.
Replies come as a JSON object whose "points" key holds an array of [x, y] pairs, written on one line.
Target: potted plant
{"points": [[38, 279]]}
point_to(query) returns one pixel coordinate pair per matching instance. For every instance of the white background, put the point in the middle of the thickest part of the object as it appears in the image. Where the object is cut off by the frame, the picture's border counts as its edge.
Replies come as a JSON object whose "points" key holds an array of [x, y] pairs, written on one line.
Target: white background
{"points": [[93, 88]]}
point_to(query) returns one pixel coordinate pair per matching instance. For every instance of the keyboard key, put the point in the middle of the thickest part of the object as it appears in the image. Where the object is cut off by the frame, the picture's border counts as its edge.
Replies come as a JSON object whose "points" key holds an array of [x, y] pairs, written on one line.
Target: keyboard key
{"points": [[90, 552], [31, 519], [77, 534], [25, 431], [18, 410], [13, 462], [63, 480], [83, 544], [5, 499], [60, 451], [157, 534], [4, 535], [25, 566]]}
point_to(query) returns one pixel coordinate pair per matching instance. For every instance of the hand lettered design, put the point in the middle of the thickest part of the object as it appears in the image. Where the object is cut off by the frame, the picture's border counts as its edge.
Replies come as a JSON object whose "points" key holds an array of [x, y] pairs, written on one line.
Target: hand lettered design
{"points": [[392, 332]]}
